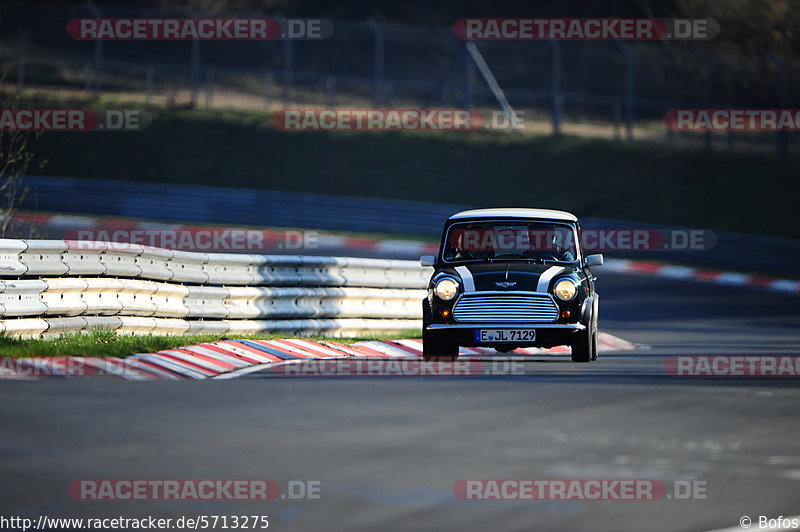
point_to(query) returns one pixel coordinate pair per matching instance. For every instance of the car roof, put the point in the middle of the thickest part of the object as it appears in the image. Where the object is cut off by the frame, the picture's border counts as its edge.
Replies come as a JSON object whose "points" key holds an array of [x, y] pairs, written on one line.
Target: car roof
{"points": [[546, 214]]}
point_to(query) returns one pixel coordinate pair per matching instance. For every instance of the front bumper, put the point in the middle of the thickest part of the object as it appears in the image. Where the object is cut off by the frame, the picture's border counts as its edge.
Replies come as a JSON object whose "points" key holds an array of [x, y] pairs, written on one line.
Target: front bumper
{"points": [[495, 325], [547, 334]]}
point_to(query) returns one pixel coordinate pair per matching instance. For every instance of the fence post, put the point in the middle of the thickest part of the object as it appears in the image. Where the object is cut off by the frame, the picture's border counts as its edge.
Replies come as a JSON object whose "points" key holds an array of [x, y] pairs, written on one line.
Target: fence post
{"points": [[288, 61], [148, 84], [330, 92], [195, 71], [628, 90], [469, 79], [88, 72], [782, 139], [21, 74], [97, 83], [556, 99], [209, 86], [707, 89], [269, 84], [616, 118], [378, 63]]}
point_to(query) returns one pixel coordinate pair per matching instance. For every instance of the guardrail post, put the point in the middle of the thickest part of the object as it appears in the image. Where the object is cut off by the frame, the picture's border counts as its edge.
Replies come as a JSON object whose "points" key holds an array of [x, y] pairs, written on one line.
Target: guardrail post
{"points": [[556, 98], [628, 90], [782, 139], [378, 60]]}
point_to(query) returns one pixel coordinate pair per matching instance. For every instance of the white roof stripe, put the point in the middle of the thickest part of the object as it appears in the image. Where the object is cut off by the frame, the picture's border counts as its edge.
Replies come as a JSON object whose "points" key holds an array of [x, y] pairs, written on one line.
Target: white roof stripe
{"points": [[547, 214]]}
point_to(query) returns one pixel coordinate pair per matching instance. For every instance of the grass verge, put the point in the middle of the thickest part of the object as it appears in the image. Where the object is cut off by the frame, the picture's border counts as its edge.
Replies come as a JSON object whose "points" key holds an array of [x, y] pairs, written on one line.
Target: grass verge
{"points": [[103, 343]]}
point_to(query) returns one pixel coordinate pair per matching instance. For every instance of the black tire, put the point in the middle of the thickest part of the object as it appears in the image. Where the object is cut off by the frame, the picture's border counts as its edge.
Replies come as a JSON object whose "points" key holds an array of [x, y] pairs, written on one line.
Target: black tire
{"points": [[584, 347], [505, 348], [435, 347]]}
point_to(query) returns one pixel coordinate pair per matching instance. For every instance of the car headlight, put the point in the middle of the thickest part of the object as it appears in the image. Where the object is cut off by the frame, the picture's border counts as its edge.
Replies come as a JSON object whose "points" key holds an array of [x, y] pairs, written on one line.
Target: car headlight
{"points": [[565, 289], [446, 289]]}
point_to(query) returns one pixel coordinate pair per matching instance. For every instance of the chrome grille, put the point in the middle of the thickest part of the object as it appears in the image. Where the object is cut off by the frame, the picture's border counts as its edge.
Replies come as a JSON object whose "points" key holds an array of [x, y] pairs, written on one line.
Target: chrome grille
{"points": [[508, 307]]}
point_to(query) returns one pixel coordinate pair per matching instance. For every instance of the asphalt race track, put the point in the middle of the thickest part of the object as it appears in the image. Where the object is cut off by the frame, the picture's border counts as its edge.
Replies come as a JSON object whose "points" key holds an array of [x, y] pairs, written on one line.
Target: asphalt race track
{"points": [[388, 451]]}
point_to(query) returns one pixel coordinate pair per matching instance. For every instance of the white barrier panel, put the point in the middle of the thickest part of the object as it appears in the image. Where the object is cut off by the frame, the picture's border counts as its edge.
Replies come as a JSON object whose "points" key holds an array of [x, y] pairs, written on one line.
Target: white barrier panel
{"points": [[230, 268], [108, 323], [166, 326], [57, 326], [25, 327], [124, 289], [63, 296], [102, 296], [277, 269], [366, 273], [22, 298], [206, 302], [83, 257], [407, 274], [323, 271], [274, 302], [136, 325], [135, 297], [207, 327], [187, 267], [10, 259], [44, 257], [154, 263], [120, 259], [59, 257], [168, 300]]}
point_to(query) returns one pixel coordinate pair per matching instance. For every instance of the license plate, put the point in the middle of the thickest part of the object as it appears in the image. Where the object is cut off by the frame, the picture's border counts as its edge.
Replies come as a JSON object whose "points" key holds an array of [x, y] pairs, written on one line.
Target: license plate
{"points": [[505, 335]]}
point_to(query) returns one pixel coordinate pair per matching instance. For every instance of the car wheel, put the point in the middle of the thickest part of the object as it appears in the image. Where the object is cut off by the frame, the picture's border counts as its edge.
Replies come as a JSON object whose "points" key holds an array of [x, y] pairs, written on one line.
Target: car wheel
{"points": [[584, 347], [435, 347], [438, 349], [505, 348]]}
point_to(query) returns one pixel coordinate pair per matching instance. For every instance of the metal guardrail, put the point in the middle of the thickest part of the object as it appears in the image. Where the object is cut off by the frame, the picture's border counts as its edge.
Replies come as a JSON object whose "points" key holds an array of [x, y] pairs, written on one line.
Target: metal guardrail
{"points": [[136, 289], [204, 204]]}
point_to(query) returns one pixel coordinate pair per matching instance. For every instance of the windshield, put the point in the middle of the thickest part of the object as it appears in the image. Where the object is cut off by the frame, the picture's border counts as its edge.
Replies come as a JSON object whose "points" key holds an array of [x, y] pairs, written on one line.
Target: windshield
{"points": [[504, 240]]}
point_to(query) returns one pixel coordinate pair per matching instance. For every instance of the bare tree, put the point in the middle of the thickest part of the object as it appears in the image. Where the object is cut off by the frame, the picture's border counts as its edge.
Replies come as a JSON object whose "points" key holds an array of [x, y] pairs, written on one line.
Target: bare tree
{"points": [[15, 159]]}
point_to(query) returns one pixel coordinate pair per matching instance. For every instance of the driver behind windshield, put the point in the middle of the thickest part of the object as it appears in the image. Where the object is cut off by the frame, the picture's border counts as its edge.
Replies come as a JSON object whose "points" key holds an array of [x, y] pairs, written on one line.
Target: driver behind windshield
{"points": [[510, 242]]}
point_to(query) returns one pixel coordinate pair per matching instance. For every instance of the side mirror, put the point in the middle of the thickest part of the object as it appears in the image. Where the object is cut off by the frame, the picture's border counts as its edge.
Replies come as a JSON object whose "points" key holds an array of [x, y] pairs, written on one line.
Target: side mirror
{"points": [[427, 260], [594, 260]]}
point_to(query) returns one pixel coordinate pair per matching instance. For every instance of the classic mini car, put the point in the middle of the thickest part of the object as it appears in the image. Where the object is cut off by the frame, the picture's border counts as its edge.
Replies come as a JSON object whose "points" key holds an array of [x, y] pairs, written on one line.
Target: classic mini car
{"points": [[509, 278]]}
